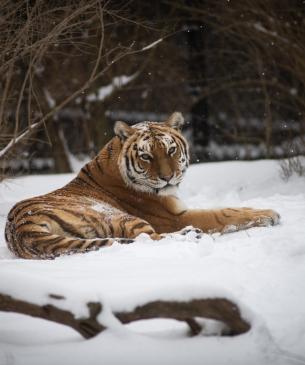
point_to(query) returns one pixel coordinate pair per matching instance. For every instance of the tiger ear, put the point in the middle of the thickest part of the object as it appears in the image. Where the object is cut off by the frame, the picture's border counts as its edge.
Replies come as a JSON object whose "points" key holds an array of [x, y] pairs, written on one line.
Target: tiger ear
{"points": [[123, 130], [175, 121]]}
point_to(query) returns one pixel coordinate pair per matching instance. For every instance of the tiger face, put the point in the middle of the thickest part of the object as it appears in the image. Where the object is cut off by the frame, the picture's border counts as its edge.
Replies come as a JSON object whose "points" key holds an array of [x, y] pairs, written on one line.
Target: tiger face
{"points": [[154, 156]]}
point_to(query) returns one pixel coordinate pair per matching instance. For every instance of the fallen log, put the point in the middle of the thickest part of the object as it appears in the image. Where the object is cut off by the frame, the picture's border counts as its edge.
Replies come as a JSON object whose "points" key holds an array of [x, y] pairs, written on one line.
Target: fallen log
{"points": [[220, 309], [87, 327]]}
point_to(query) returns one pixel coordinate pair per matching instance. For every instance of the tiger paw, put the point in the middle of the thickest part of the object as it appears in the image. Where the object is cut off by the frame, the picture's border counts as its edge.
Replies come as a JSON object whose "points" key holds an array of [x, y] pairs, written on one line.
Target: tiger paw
{"points": [[268, 217], [262, 217], [183, 232], [189, 229], [249, 217]]}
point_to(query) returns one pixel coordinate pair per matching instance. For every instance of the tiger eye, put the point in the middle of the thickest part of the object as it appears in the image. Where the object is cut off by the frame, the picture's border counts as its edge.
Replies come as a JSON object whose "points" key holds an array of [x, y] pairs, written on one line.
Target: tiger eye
{"points": [[146, 157], [171, 150]]}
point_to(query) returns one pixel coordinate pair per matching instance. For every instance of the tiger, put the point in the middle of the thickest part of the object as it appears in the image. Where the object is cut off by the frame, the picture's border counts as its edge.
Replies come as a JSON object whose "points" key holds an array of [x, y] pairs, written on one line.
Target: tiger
{"points": [[129, 188]]}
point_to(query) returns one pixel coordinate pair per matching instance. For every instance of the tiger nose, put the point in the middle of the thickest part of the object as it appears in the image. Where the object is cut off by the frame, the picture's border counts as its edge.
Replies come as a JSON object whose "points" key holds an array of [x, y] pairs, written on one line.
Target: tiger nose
{"points": [[166, 177]]}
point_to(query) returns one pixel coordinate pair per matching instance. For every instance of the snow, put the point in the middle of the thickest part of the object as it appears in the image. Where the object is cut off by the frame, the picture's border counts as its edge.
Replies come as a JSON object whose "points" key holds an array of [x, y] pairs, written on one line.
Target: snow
{"points": [[262, 269], [261, 28], [116, 83], [104, 208], [50, 100], [153, 44], [75, 163], [17, 139]]}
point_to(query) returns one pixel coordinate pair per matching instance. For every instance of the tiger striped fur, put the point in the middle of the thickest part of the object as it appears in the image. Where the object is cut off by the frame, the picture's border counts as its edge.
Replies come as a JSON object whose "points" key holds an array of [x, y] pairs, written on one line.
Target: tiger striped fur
{"points": [[128, 188]]}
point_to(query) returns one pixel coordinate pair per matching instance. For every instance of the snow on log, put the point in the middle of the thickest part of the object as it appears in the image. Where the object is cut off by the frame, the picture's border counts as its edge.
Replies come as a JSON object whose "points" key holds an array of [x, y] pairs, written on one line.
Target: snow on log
{"points": [[89, 313], [220, 309], [217, 308], [87, 326]]}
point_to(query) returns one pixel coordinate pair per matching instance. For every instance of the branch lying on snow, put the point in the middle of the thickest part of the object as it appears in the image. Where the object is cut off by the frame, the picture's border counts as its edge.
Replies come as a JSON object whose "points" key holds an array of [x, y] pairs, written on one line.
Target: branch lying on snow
{"points": [[218, 308], [87, 327], [17, 140]]}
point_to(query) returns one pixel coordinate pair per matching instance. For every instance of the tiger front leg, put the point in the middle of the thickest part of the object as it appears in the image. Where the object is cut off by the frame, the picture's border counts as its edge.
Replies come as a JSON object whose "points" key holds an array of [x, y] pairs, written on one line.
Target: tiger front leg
{"points": [[229, 219], [243, 218]]}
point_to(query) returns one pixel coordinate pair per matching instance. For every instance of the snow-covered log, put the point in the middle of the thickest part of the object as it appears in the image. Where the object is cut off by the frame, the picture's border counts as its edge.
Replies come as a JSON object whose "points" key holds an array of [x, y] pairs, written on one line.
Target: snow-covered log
{"points": [[89, 326], [220, 309]]}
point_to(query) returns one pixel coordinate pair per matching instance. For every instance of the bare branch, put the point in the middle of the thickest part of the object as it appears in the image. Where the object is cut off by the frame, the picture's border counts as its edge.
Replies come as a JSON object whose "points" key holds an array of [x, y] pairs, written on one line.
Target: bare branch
{"points": [[219, 308], [93, 77]]}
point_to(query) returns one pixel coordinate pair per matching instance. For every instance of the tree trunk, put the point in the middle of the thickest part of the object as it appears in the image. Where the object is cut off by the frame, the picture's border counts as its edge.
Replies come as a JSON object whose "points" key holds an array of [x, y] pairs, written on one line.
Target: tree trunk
{"points": [[59, 151]]}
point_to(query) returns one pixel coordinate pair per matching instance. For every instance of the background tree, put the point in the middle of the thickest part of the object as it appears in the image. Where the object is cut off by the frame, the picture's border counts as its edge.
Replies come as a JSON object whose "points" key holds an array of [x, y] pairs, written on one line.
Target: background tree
{"points": [[69, 69], [55, 54]]}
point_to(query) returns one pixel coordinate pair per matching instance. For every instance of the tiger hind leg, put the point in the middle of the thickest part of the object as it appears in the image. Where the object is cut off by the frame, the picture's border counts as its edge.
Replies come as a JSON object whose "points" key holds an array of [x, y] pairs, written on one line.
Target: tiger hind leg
{"points": [[38, 241], [50, 246]]}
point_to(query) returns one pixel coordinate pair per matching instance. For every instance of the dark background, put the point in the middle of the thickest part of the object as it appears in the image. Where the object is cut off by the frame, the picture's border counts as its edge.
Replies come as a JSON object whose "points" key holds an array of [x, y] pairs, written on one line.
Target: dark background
{"points": [[235, 69]]}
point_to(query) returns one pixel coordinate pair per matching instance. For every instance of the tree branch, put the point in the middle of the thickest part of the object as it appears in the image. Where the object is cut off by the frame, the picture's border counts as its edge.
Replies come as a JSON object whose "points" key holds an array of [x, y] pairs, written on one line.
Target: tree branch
{"points": [[17, 140], [220, 309]]}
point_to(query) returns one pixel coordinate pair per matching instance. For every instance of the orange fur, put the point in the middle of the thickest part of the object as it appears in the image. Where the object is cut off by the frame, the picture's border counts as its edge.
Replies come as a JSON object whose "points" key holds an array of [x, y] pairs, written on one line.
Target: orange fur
{"points": [[128, 189]]}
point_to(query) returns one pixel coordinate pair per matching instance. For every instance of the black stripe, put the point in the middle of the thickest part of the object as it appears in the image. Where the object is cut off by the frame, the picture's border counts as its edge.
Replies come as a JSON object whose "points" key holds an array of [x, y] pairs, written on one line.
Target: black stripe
{"points": [[150, 232], [184, 144], [134, 167], [124, 241], [30, 234], [61, 246], [99, 167], [18, 209], [109, 149], [180, 213], [85, 171], [83, 181], [184, 154], [123, 228], [15, 247], [69, 228], [131, 178], [127, 163], [75, 213], [110, 226], [95, 244], [139, 226], [47, 243], [129, 152], [31, 251], [90, 174], [23, 223], [97, 222]]}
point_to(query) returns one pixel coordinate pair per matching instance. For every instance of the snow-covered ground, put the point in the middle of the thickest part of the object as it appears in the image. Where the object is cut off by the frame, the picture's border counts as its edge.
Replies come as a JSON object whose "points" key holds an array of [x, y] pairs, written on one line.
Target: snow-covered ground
{"points": [[262, 268]]}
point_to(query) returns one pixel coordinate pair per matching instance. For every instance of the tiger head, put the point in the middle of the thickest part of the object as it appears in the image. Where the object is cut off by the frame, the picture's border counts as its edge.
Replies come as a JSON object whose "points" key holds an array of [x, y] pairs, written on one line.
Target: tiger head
{"points": [[154, 156]]}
